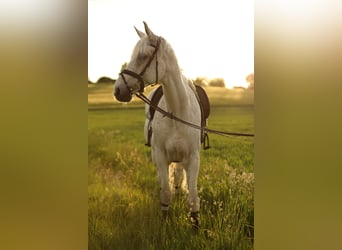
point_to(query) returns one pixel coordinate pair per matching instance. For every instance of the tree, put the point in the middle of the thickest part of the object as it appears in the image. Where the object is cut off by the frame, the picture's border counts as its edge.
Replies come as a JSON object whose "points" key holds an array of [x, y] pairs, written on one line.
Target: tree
{"points": [[217, 82], [105, 79], [201, 81], [123, 66], [250, 80]]}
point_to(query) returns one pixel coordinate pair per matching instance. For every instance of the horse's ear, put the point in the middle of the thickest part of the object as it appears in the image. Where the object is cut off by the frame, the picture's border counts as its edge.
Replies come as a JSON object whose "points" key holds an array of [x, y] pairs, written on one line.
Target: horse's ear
{"points": [[153, 38], [140, 33]]}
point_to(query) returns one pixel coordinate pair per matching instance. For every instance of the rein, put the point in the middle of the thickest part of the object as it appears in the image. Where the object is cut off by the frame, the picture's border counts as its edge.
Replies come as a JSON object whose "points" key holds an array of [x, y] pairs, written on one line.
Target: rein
{"points": [[171, 116], [140, 95]]}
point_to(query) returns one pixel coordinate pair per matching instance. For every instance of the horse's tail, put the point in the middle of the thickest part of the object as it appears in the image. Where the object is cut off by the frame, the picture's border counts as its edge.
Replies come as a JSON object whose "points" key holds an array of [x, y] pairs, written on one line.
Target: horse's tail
{"points": [[177, 177]]}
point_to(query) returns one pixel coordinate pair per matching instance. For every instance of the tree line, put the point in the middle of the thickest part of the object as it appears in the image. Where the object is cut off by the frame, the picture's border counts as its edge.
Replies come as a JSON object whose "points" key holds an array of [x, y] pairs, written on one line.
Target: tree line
{"points": [[216, 82], [201, 81]]}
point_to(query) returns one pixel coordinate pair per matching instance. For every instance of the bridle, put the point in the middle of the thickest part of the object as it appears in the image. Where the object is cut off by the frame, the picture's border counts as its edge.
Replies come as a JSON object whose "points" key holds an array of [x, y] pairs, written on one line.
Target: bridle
{"points": [[140, 95], [139, 77]]}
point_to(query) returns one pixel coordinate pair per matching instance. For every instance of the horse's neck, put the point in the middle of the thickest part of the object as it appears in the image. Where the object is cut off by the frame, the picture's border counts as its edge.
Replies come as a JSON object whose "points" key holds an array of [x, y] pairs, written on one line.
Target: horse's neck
{"points": [[175, 92]]}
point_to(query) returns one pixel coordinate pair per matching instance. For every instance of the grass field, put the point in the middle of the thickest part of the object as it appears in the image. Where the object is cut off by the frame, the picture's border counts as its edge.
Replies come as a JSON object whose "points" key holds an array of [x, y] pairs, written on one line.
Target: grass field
{"points": [[124, 209]]}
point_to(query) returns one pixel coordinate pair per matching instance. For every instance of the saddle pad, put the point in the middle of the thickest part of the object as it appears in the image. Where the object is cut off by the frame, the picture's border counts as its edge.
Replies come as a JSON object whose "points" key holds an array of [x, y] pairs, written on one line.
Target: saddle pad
{"points": [[155, 100], [204, 101], [202, 95]]}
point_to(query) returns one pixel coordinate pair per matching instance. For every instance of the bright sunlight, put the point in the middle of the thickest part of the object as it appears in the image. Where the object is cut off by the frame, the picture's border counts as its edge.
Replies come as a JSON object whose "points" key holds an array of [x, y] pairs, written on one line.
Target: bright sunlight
{"points": [[213, 39]]}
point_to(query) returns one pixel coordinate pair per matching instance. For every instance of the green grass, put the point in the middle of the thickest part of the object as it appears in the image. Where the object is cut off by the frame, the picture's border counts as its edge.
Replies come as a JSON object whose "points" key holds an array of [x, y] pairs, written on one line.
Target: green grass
{"points": [[124, 210]]}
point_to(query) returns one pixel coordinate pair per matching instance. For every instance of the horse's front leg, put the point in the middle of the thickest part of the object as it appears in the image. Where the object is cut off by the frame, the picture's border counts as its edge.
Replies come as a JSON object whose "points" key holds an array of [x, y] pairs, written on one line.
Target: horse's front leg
{"points": [[192, 168], [163, 176]]}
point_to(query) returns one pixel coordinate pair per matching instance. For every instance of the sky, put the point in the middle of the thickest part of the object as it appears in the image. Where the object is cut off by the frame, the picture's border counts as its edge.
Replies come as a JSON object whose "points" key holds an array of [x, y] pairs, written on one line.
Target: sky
{"points": [[213, 39]]}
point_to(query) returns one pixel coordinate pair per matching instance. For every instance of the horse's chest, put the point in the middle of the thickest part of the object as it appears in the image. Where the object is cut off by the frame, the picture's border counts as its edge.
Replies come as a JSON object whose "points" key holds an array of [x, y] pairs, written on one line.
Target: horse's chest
{"points": [[177, 141]]}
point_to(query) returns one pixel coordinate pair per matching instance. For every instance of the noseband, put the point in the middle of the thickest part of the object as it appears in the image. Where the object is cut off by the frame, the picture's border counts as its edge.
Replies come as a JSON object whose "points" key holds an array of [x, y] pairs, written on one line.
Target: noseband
{"points": [[139, 77]]}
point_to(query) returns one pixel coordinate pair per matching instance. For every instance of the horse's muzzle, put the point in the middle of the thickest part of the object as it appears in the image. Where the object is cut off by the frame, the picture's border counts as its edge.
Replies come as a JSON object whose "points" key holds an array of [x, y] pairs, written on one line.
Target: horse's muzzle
{"points": [[122, 93]]}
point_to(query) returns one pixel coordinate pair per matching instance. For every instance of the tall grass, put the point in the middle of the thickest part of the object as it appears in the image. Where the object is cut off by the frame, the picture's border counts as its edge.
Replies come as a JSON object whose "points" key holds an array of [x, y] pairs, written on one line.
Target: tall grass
{"points": [[124, 210]]}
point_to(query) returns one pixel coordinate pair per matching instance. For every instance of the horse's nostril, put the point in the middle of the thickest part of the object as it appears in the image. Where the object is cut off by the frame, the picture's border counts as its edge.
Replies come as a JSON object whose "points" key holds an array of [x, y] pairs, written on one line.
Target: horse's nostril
{"points": [[117, 91]]}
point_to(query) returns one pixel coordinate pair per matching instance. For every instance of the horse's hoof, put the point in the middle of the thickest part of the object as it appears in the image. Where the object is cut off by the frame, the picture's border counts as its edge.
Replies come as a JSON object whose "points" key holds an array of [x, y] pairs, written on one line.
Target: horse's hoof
{"points": [[195, 223], [165, 214], [165, 211]]}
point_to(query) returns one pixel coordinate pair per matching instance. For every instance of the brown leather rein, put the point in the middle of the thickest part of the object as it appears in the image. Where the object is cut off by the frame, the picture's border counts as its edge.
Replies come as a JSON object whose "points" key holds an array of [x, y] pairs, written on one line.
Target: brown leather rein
{"points": [[140, 95], [139, 77], [173, 117]]}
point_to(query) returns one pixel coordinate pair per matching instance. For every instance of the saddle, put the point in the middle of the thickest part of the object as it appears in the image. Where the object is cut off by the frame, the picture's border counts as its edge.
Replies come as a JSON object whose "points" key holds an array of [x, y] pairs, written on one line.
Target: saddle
{"points": [[203, 101]]}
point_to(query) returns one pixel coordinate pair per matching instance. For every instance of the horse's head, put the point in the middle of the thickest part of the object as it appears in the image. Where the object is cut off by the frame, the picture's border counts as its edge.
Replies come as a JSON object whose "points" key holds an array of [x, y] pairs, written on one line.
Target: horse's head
{"points": [[144, 68]]}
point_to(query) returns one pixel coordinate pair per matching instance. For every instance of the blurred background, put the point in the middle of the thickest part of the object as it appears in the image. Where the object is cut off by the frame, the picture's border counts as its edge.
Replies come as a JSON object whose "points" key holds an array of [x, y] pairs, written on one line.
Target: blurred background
{"points": [[44, 124]]}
